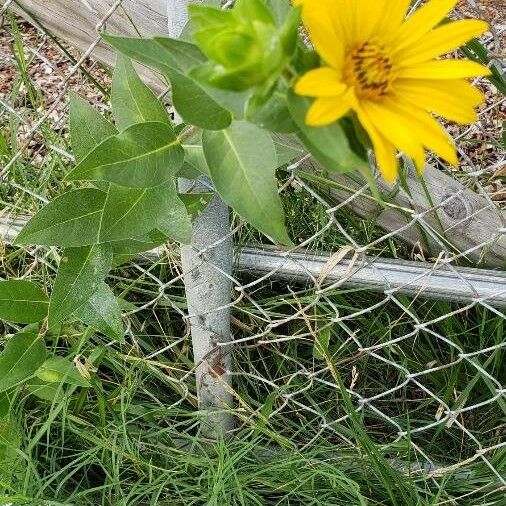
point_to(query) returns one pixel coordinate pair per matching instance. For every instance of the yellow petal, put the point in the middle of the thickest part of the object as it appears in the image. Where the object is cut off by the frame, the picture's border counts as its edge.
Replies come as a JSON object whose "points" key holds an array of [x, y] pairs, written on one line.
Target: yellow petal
{"points": [[444, 69], [423, 20], [424, 127], [326, 110], [389, 18], [454, 100], [396, 128], [386, 158], [460, 90], [317, 18], [395, 12], [344, 15], [384, 150], [369, 16], [321, 82], [357, 20], [378, 17], [440, 41]]}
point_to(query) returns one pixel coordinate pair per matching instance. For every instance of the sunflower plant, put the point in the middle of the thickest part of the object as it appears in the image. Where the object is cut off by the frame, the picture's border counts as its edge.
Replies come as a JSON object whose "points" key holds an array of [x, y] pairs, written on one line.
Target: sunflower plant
{"points": [[371, 76], [384, 69], [335, 77]]}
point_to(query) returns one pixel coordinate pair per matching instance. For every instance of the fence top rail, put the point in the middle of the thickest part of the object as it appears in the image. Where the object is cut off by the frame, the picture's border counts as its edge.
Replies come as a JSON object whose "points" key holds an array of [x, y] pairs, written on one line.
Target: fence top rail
{"points": [[440, 281]]}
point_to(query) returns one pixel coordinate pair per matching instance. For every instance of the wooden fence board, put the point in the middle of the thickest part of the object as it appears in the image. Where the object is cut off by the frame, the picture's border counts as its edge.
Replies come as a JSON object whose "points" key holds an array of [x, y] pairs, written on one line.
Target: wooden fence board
{"points": [[75, 22]]}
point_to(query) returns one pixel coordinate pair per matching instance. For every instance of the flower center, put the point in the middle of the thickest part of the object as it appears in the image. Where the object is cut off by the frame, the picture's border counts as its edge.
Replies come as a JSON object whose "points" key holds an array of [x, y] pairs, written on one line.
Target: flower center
{"points": [[368, 69]]}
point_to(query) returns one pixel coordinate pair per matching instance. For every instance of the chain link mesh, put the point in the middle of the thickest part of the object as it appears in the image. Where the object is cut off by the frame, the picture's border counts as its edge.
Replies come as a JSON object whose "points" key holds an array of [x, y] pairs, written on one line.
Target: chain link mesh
{"points": [[425, 377]]}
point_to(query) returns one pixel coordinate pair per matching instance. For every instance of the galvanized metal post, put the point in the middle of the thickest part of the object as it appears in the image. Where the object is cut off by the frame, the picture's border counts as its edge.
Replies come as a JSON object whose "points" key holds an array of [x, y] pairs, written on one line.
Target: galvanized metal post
{"points": [[207, 266]]}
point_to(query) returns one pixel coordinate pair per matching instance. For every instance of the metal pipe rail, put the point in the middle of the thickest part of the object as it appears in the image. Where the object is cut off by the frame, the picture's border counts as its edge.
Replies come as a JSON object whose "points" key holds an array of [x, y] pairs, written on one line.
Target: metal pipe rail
{"points": [[415, 279]]}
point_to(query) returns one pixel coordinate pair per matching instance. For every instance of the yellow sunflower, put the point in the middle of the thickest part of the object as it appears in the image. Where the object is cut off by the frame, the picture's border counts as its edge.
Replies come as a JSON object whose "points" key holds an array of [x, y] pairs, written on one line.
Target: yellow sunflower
{"points": [[385, 68]]}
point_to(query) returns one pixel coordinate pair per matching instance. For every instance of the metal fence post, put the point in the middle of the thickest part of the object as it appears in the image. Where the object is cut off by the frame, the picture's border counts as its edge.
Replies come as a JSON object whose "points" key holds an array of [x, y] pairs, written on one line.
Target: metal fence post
{"points": [[207, 265]]}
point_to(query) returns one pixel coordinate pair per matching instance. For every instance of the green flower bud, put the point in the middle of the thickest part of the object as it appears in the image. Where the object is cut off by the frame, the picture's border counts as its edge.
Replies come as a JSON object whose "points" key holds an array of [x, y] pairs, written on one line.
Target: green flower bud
{"points": [[244, 45]]}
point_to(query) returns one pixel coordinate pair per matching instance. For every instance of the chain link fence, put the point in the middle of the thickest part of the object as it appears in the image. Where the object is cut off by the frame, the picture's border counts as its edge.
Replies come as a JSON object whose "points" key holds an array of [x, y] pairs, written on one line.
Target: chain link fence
{"points": [[398, 303]]}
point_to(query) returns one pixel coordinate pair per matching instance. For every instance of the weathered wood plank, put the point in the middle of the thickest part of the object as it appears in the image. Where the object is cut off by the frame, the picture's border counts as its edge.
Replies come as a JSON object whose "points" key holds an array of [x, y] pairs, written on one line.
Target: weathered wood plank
{"points": [[468, 221], [445, 213], [75, 21]]}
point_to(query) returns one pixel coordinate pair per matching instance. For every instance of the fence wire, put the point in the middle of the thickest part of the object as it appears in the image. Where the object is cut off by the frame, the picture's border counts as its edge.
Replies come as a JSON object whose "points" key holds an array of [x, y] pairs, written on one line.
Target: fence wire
{"points": [[425, 376]]}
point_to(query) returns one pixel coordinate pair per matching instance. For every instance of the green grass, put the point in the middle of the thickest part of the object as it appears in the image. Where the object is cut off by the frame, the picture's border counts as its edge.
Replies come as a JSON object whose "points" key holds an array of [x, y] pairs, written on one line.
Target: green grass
{"points": [[133, 439]]}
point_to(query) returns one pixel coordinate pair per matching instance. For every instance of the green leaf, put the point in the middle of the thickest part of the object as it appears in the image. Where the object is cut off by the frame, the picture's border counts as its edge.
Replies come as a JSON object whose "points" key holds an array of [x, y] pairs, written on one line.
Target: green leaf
{"points": [[280, 9], [22, 302], [142, 156], [130, 212], [329, 145], [288, 149], [194, 162], [72, 219], [4, 147], [145, 51], [322, 342], [189, 172], [196, 203], [274, 115], [10, 445], [91, 216], [290, 31], [185, 54], [174, 58], [475, 50], [6, 400], [176, 226], [244, 47], [164, 54], [195, 106], [256, 10], [188, 29], [242, 161], [61, 370], [125, 305], [122, 259], [139, 244], [44, 390], [88, 128], [238, 79], [189, 56], [23, 354], [212, 17], [233, 101], [229, 46], [132, 101], [80, 272], [102, 312], [177, 223]]}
